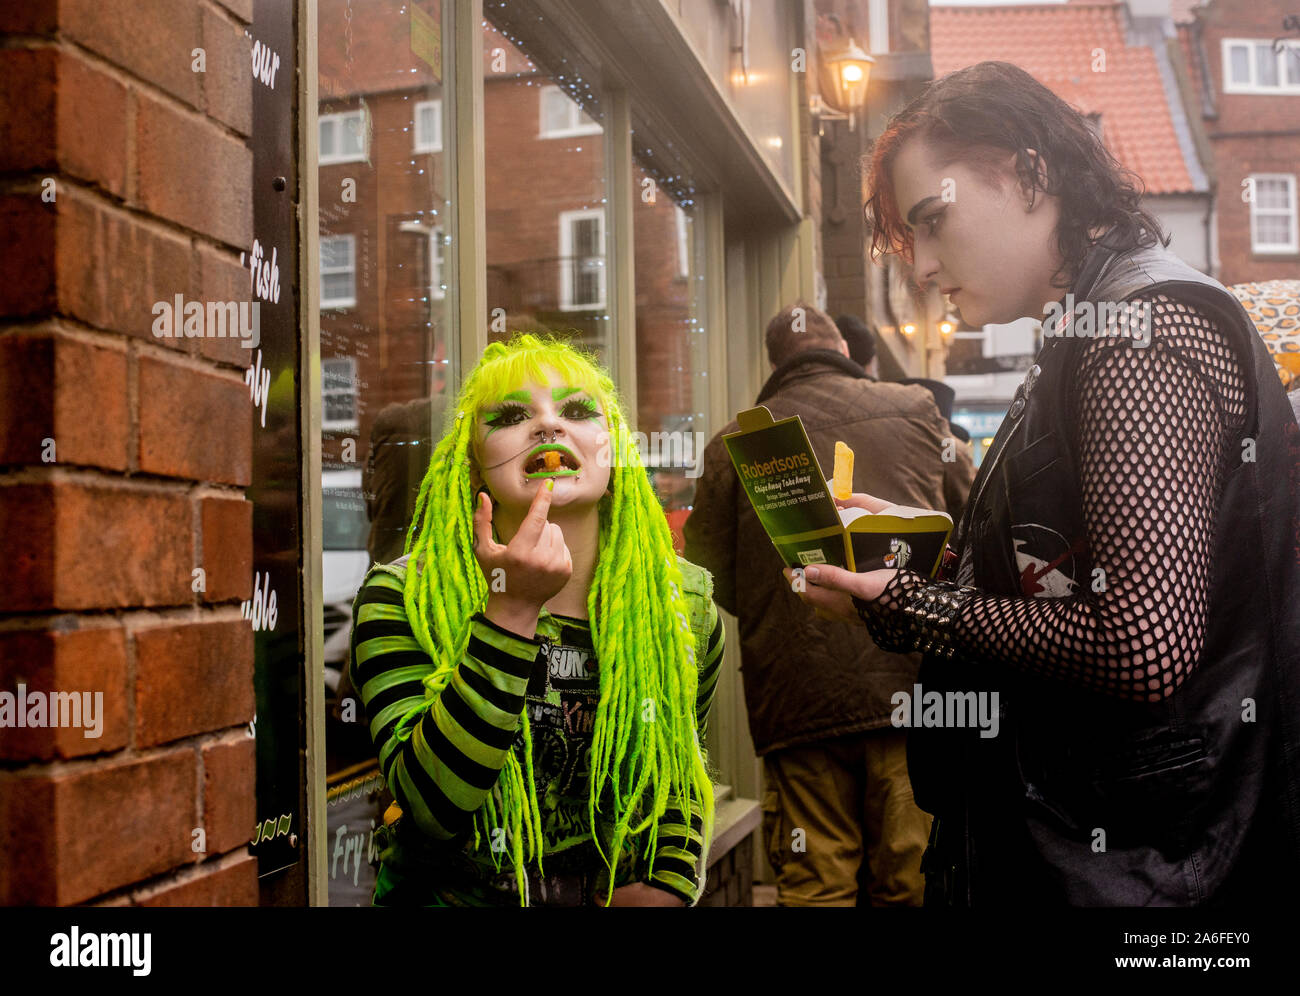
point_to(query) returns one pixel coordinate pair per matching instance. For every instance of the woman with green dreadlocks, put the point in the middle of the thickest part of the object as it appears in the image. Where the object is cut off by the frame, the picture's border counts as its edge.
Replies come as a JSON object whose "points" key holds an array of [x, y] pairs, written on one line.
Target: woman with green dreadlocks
{"points": [[537, 669]]}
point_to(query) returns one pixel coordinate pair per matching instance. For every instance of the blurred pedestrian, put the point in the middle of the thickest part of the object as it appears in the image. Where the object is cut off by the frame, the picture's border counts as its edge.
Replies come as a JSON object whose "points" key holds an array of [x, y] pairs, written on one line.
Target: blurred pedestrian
{"points": [[837, 804]]}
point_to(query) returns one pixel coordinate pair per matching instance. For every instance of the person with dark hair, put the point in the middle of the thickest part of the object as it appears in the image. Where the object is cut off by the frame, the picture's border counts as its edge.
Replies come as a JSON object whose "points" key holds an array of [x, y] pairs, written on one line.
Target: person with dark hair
{"points": [[861, 343], [818, 695], [1126, 589]]}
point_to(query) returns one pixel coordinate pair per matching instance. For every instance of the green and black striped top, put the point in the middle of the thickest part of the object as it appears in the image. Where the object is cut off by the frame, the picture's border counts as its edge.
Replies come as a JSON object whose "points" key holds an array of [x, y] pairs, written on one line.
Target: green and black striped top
{"points": [[441, 755]]}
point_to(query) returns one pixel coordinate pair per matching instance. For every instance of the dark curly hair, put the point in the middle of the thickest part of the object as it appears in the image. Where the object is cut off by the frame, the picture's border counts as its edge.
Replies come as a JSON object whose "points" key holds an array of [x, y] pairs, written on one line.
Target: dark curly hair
{"points": [[980, 114]]}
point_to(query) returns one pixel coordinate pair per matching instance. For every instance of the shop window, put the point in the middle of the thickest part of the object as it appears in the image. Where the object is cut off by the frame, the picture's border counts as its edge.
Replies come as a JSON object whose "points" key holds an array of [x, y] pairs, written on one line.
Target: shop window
{"points": [[343, 138], [387, 348], [545, 207], [582, 260], [1273, 213], [671, 346], [338, 271], [561, 117], [428, 126]]}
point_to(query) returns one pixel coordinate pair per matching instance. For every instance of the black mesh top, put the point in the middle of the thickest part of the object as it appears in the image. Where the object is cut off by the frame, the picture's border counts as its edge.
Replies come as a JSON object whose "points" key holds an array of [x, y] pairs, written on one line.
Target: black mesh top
{"points": [[1155, 432]]}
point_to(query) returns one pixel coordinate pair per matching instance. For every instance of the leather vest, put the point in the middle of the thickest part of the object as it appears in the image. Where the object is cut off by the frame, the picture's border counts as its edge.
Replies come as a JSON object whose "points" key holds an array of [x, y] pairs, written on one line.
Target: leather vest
{"points": [[1112, 802]]}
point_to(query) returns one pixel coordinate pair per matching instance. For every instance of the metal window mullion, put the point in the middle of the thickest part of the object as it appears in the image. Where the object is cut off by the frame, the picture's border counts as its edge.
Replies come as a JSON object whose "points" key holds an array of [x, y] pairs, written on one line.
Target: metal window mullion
{"points": [[621, 284], [465, 156], [310, 414]]}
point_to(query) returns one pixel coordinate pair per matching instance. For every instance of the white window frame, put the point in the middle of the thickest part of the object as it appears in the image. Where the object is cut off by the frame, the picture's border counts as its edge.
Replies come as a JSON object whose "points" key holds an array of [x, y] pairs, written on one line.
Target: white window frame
{"points": [[423, 142], [1275, 248], [327, 388], [1253, 85], [341, 120], [575, 126], [567, 262], [338, 302]]}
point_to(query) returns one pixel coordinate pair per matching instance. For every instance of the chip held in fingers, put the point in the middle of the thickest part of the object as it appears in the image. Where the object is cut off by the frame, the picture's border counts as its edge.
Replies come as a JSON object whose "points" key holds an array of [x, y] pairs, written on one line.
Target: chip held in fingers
{"points": [[842, 483]]}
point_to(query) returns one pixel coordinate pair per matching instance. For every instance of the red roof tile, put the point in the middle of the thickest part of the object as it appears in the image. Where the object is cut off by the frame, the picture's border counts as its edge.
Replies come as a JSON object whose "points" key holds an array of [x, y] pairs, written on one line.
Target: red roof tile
{"points": [[1055, 45]]}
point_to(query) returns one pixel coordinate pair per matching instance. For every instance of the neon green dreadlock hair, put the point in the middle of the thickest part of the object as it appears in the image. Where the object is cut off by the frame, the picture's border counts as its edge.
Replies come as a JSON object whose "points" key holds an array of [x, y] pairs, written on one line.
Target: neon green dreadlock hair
{"points": [[645, 751]]}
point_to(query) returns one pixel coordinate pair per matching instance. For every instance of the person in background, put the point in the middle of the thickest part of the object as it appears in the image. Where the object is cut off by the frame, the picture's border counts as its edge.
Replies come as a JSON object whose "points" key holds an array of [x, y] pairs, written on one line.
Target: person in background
{"points": [[837, 807], [861, 342]]}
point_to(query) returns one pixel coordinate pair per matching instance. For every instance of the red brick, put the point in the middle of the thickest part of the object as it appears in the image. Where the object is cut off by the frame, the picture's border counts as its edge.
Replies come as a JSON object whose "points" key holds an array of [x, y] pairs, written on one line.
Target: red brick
{"points": [[193, 174], [92, 660], [27, 239], [151, 39], [232, 885], [228, 82], [193, 677], [223, 279], [227, 557], [229, 794], [28, 126], [72, 117], [27, 537], [80, 834], [92, 125], [55, 387], [32, 17], [243, 9], [135, 267], [194, 424], [74, 546]]}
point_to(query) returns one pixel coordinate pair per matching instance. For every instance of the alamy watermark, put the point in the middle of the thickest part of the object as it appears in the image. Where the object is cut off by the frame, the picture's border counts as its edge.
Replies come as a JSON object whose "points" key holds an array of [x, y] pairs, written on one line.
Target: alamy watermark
{"points": [[658, 450], [39, 710], [946, 710], [1086, 320], [179, 318]]}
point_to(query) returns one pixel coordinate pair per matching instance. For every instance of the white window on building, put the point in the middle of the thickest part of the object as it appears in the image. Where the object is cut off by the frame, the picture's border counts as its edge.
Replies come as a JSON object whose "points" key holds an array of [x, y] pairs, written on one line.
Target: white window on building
{"points": [[344, 138], [1273, 213], [561, 117], [582, 260], [428, 126], [1251, 66], [338, 391], [338, 271]]}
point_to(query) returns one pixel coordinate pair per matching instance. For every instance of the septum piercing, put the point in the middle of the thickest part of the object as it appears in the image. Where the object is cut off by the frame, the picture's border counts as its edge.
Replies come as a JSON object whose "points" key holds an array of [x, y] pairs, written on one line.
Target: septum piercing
{"points": [[526, 449]]}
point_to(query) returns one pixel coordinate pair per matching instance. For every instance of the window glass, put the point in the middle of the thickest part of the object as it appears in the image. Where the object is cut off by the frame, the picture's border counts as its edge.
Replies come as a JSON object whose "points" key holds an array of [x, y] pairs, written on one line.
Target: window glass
{"points": [[671, 344], [1273, 214], [1291, 58], [1240, 64], [547, 243], [1265, 64], [385, 339]]}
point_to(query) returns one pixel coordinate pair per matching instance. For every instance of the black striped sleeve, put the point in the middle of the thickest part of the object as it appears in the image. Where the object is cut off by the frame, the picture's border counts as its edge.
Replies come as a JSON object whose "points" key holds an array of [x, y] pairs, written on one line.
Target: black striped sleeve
{"points": [[441, 754]]}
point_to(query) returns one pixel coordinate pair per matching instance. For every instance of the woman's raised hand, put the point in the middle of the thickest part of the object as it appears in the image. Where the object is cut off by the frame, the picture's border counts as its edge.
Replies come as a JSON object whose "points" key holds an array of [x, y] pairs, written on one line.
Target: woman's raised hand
{"points": [[524, 574]]}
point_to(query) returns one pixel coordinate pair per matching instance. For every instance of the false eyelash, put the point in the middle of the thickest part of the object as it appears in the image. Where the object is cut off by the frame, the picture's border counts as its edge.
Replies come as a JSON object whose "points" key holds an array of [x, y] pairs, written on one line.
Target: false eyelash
{"points": [[505, 414], [589, 409]]}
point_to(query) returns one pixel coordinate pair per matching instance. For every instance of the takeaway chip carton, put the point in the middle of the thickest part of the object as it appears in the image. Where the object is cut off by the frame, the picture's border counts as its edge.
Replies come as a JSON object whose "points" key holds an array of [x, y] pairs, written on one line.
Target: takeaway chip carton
{"points": [[785, 484]]}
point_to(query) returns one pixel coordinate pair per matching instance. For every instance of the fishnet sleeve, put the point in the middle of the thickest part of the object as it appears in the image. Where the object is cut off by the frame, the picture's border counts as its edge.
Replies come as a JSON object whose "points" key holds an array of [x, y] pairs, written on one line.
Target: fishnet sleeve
{"points": [[1155, 431]]}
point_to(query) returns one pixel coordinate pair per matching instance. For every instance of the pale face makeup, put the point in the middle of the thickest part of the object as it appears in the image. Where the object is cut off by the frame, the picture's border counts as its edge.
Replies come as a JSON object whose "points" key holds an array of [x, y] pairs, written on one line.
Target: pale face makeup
{"points": [[980, 243], [543, 431]]}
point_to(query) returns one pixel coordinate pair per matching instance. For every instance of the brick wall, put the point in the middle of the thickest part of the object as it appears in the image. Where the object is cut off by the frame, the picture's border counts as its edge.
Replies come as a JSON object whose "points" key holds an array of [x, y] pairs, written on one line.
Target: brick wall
{"points": [[123, 456], [1254, 133]]}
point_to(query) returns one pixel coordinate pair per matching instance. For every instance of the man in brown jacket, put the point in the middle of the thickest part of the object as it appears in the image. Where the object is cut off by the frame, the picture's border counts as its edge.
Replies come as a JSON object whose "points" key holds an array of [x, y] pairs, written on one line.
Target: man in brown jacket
{"points": [[837, 805]]}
